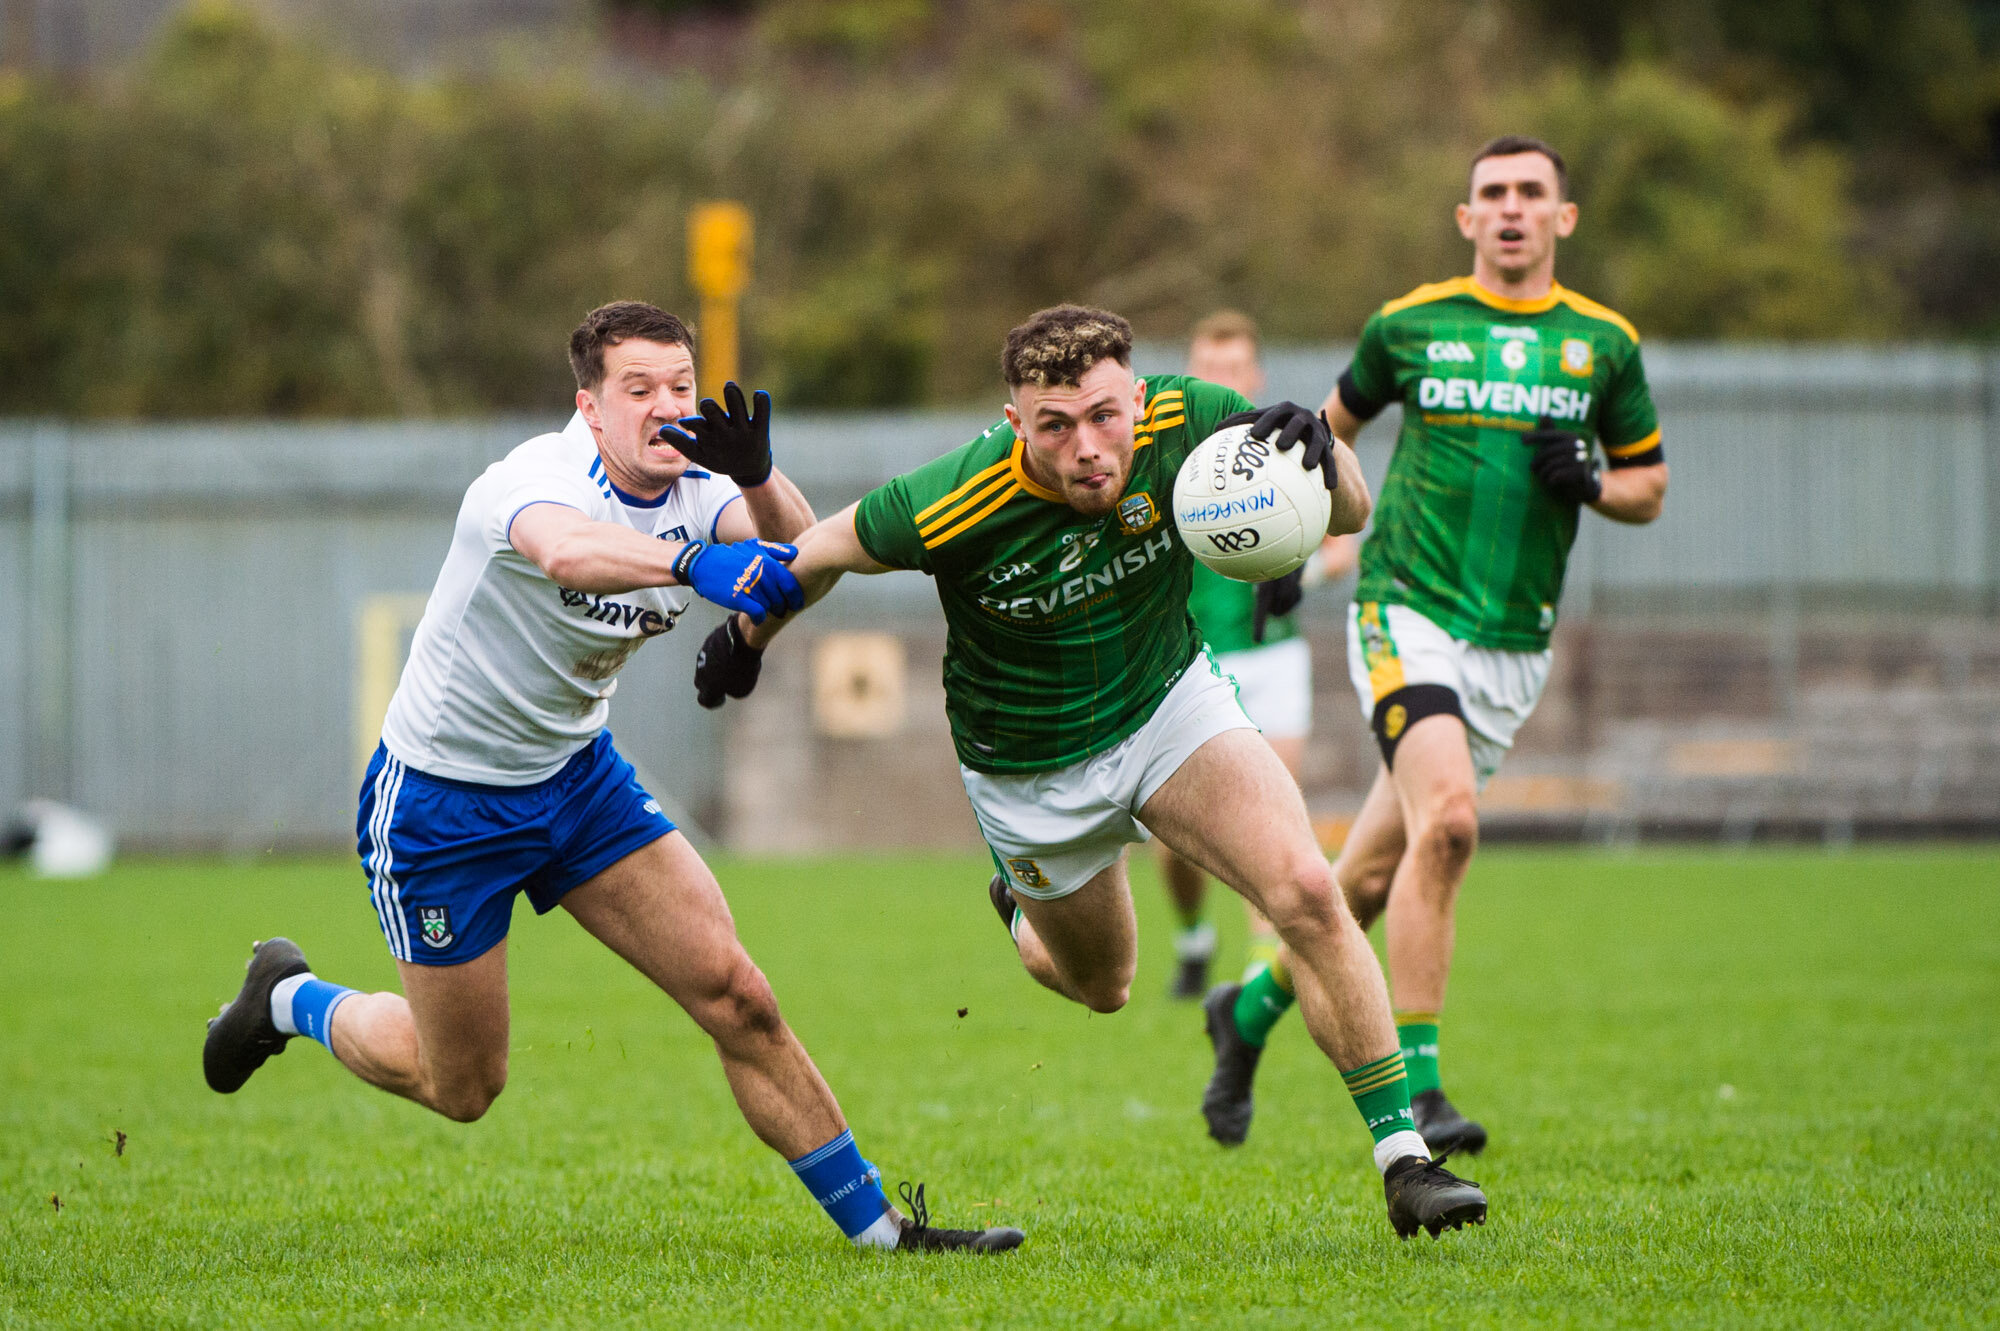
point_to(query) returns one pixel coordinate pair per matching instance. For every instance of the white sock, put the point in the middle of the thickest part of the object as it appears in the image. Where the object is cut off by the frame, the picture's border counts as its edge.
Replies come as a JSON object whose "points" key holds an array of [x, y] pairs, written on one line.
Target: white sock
{"points": [[1397, 1145], [884, 1233], [1195, 943], [281, 1002]]}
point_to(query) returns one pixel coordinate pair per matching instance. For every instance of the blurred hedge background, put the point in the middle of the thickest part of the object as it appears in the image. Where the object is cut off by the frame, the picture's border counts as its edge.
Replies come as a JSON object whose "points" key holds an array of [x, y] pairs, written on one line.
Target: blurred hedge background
{"points": [[258, 215]]}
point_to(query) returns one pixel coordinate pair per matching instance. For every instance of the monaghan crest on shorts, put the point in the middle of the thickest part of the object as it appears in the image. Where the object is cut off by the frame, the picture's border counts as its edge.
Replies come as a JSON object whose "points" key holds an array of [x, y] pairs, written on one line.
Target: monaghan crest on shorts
{"points": [[434, 925]]}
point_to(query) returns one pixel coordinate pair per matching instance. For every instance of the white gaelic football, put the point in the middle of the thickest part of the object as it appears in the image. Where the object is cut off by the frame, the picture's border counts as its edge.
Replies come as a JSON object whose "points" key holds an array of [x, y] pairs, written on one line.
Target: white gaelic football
{"points": [[1248, 511]]}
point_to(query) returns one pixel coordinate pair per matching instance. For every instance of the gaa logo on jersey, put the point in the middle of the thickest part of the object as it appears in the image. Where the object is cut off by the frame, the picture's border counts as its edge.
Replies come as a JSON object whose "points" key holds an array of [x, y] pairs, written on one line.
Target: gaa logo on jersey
{"points": [[434, 925], [1029, 873], [1576, 357], [1137, 513]]}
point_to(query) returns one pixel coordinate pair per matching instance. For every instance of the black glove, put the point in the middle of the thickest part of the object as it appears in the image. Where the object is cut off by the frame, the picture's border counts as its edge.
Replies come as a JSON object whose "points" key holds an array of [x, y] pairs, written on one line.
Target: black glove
{"points": [[725, 665], [1288, 423], [733, 442], [1279, 596], [1562, 463]]}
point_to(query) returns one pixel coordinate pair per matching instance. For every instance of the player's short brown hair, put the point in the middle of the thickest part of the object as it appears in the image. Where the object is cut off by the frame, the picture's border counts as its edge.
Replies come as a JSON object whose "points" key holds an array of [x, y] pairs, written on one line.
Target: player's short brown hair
{"points": [[608, 325], [1056, 347], [1508, 145], [1226, 326]]}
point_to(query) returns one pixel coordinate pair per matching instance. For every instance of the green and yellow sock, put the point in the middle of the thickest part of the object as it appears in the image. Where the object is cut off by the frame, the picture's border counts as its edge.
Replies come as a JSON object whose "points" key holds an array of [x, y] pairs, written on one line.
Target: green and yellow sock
{"points": [[1381, 1091], [1263, 952], [1417, 1033], [1265, 998]]}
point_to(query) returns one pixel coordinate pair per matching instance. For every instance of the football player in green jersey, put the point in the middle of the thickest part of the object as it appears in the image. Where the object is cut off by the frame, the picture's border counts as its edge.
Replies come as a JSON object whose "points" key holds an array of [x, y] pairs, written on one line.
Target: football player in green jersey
{"points": [[1505, 378], [1249, 628], [1086, 713]]}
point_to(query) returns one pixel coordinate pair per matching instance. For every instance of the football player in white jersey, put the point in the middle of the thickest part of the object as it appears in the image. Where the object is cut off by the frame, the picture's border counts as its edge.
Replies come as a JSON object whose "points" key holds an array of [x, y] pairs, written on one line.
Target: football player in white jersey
{"points": [[496, 775]]}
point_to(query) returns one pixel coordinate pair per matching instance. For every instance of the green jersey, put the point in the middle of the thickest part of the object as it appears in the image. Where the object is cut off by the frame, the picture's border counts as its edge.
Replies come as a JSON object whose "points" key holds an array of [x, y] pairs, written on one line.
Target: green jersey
{"points": [[1063, 632], [1225, 611], [1464, 534]]}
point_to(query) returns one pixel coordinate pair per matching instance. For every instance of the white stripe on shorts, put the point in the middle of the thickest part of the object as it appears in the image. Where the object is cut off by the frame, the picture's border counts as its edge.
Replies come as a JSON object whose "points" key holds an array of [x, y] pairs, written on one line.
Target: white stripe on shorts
{"points": [[368, 863], [381, 861]]}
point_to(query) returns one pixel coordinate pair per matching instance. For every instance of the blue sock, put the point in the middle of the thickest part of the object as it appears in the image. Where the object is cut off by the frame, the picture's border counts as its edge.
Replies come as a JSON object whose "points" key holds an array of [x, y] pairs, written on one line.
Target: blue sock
{"points": [[846, 1185], [310, 1011]]}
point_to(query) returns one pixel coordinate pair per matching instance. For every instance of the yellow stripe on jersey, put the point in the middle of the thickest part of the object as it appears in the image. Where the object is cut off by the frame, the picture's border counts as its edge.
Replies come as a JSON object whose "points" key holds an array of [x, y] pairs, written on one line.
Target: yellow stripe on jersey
{"points": [[1017, 461], [998, 502], [1636, 447], [1558, 294], [1586, 306], [1162, 413], [960, 492], [930, 526], [1430, 291]]}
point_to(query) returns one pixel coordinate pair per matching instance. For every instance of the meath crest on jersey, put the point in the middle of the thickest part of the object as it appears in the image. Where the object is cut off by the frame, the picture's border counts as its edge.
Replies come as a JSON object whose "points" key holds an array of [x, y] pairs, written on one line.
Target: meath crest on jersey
{"points": [[1137, 513], [434, 925], [1577, 359]]}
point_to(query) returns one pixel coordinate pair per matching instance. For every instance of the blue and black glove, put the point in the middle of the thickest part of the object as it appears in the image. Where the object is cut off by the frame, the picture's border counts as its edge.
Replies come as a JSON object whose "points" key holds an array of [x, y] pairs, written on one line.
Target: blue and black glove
{"points": [[726, 665], [1562, 463], [744, 575], [1288, 423], [733, 440]]}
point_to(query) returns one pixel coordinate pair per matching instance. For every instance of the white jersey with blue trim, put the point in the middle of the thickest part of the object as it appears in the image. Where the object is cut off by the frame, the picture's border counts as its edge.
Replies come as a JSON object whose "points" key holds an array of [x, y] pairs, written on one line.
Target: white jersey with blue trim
{"points": [[509, 673]]}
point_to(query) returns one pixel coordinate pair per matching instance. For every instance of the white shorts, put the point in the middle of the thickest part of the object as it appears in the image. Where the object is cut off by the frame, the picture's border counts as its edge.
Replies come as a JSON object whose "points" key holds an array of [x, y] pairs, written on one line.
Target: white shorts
{"points": [[1275, 685], [1392, 646], [1052, 832]]}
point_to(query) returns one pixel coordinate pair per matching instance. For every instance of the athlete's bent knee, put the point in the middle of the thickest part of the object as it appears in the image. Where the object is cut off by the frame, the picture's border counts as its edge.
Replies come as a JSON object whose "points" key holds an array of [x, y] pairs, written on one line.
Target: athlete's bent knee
{"points": [[467, 1101], [742, 1005], [1366, 888], [1106, 996], [1449, 829], [1303, 902]]}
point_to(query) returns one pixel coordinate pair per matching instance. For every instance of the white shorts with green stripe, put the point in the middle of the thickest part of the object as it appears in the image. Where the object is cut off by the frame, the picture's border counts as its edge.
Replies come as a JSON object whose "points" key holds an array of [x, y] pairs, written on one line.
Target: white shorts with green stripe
{"points": [[1391, 647], [1275, 684], [1052, 832]]}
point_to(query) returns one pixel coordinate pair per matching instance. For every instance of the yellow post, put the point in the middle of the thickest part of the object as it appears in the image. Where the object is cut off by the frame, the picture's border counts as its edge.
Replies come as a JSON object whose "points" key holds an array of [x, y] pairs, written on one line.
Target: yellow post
{"points": [[719, 268], [382, 628]]}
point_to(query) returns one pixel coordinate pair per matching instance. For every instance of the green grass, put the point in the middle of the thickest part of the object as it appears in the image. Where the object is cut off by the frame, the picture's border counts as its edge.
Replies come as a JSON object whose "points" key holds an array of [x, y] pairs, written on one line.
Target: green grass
{"points": [[1724, 1087]]}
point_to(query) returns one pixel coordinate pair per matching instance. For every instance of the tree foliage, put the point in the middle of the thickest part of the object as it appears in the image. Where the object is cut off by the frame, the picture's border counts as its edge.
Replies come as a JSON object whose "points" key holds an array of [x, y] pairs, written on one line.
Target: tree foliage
{"points": [[242, 224]]}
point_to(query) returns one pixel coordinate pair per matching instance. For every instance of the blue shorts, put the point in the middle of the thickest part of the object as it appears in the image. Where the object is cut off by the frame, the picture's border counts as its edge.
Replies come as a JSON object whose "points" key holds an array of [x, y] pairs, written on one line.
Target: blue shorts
{"points": [[445, 858]]}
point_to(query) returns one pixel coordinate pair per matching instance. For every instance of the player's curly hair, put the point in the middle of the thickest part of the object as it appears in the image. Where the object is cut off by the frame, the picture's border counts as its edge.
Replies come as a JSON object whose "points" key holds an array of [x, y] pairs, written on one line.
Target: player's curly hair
{"points": [[1056, 347], [608, 325]]}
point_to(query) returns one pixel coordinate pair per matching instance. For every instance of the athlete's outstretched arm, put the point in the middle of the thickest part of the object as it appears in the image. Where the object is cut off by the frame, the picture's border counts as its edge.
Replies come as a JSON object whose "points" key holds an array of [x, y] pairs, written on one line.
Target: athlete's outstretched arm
{"points": [[1633, 494], [827, 549], [772, 511], [605, 558], [590, 556], [732, 655]]}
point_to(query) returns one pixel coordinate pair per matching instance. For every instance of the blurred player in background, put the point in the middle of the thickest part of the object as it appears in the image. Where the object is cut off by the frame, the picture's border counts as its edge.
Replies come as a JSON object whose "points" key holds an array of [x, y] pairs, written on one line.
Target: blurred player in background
{"points": [[1249, 628], [496, 774], [1505, 378], [1086, 713]]}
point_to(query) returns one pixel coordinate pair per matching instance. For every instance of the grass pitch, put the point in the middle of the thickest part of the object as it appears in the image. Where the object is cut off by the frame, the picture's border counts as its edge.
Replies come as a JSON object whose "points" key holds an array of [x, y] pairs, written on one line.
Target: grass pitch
{"points": [[1724, 1088]]}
